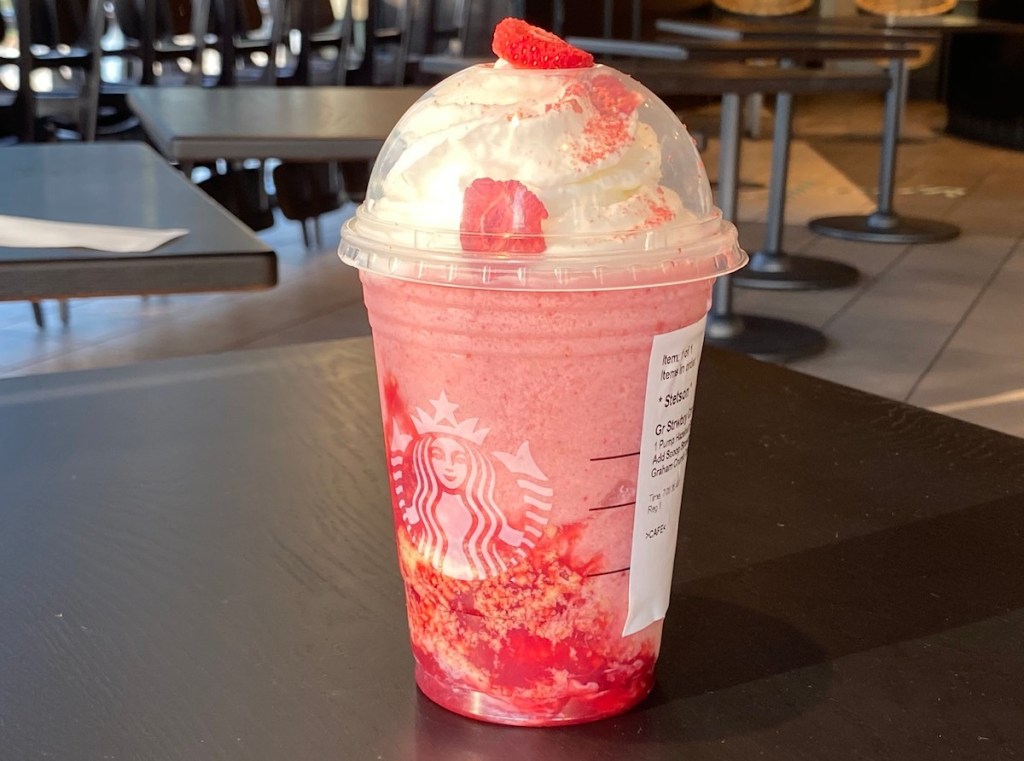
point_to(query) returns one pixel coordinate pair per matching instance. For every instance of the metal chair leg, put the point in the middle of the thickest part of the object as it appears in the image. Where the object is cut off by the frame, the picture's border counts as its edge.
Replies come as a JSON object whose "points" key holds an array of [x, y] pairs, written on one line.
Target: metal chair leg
{"points": [[37, 313]]}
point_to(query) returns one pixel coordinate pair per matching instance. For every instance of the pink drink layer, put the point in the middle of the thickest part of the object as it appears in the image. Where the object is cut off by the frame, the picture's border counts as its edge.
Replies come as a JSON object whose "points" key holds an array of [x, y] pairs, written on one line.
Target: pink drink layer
{"points": [[512, 425]]}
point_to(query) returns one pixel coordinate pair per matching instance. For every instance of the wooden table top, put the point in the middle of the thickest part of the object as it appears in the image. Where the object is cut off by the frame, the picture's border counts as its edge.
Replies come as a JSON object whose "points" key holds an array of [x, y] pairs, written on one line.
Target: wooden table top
{"points": [[197, 561], [189, 124], [943, 24], [126, 184], [800, 51], [810, 28]]}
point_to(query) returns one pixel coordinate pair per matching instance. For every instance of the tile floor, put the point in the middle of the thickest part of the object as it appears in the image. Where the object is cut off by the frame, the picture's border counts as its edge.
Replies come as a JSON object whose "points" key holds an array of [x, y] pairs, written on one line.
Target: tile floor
{"points": [[936, 325]]}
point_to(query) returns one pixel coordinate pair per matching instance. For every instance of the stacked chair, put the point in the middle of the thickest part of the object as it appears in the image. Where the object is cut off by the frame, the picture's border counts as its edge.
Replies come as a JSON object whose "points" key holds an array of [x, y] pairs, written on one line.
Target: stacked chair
{"points": [[59, 39]]}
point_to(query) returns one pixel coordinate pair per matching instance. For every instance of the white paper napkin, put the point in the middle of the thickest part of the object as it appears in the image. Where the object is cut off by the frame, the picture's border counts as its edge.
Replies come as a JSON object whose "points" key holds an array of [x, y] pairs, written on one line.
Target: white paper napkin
{"points": [[25, 232]]}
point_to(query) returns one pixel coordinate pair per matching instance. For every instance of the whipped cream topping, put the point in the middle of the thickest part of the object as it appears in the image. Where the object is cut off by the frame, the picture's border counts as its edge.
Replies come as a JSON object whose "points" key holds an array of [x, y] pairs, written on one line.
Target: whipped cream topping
{"points": [[574, 138]]}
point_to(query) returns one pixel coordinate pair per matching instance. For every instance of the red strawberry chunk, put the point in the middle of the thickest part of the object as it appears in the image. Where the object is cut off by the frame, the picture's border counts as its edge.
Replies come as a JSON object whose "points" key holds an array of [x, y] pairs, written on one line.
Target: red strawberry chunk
{"points": [[611, 98], [502, 217], [528, 47]]}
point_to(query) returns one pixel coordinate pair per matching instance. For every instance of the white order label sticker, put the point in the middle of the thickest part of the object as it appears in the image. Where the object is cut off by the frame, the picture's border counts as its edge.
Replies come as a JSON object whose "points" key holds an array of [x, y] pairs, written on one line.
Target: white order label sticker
{"points": [[668, 409]]}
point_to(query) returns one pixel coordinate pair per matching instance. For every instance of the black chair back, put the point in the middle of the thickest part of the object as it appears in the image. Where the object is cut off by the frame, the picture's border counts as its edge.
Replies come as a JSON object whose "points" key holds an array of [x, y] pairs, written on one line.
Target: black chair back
{"points": [[173, 17], [51, 23]]}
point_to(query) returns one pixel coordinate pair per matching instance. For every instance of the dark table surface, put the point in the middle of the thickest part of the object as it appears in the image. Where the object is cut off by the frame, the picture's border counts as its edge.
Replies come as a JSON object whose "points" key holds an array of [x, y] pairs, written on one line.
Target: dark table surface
{"points": [[190, 124], [121, 184], [196, 562]]}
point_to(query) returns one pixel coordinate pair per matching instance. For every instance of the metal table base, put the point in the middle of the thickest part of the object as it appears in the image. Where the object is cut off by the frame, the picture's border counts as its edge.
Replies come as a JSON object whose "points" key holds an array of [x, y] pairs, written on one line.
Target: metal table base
{"points": [[884, 228], [885, 225], [762, 337], [777, 271], [765, 337], [771, 268]]}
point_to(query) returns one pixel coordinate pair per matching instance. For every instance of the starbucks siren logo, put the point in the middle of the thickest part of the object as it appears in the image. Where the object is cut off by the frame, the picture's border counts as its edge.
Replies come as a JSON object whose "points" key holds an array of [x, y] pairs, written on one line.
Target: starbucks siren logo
{"points": [[444, 482]]}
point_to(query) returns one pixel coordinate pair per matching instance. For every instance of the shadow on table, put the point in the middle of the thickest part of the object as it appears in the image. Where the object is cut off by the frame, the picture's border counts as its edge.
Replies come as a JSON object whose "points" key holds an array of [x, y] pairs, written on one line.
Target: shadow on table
{"points": [[752, 648]]}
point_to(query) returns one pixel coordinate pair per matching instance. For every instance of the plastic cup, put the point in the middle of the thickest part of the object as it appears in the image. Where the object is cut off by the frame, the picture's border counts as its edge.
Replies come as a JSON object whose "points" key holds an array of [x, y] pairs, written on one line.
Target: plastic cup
{"points": [[536, 418]]}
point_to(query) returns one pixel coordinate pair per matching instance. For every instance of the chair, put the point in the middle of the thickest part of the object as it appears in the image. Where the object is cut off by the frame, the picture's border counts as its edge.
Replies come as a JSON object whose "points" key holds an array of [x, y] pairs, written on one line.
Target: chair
{"points": [[243, 33], [349, 48], [319, 30], [387, 40], [479, 21], [465, 30], [60, 37], [558, 19], [165, 32], [159, 33], [305, 190], [11, 118]]}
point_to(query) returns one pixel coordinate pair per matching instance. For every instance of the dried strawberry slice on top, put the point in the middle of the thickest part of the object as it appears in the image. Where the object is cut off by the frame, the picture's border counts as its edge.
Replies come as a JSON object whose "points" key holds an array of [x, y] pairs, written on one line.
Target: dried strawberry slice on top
{"points": [[502, 217], [529, 47], [613, 99]]}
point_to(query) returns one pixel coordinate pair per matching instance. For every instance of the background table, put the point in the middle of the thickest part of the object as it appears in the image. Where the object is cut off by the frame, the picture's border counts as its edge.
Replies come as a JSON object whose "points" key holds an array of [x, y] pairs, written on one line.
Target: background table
{"points": [[197, 562], [883, 225], [191, 124], [121, 184]]}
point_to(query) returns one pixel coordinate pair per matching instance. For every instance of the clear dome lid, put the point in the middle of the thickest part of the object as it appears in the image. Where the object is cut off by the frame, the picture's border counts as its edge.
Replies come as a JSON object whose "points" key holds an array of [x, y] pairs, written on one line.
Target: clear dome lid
{"points": [[540, 179]]}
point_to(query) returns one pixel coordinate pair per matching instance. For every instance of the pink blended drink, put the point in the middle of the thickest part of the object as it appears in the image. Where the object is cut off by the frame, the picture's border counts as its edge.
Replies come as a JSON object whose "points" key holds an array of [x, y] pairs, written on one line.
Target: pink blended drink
{"points": [[537, 252]]}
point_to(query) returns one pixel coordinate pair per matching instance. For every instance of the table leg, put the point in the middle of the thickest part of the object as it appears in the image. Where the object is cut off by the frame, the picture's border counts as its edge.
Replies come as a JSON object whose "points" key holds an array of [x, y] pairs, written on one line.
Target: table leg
{"points": [[885, 225], [770, 267], [25, 98], [226, 43], [148, 42], [558, 17], [761, 337]]}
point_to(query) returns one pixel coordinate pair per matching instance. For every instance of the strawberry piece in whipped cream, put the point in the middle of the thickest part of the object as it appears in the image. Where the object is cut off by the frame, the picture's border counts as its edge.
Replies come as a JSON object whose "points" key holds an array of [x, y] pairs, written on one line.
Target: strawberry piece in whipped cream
{"points": [[528, 47]]}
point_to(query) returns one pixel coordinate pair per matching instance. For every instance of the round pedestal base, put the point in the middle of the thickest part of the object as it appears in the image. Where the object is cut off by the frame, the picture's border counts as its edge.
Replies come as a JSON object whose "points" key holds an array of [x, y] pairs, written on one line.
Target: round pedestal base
{"points": [[786, 272], [884, 228], [765, 338]]}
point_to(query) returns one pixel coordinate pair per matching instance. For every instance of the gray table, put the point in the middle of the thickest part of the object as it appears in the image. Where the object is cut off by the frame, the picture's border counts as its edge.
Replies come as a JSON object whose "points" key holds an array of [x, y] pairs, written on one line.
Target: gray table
{"points": [[192, 124], [673, 73], [883, 225], [197, 561], [121, 184]]}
